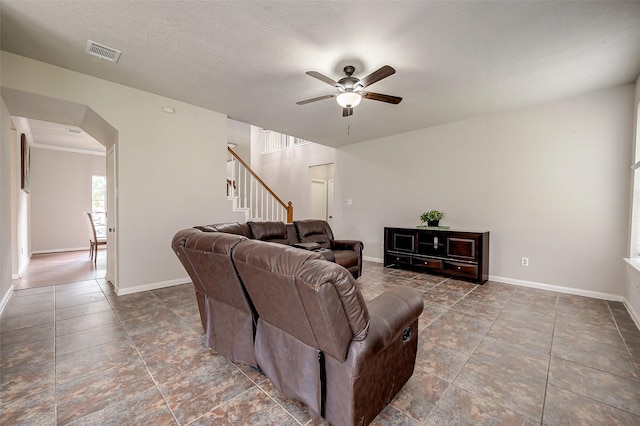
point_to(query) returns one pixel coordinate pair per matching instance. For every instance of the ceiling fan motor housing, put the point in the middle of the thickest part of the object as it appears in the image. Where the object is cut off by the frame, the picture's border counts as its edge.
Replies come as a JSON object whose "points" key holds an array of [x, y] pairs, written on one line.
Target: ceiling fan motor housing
{"points": [[349, 84]]}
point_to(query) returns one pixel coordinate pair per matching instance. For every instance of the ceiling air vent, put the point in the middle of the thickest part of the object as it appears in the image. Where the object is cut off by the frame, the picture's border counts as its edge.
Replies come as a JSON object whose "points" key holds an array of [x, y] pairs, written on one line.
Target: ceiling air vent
{"points": [[102, 52]]}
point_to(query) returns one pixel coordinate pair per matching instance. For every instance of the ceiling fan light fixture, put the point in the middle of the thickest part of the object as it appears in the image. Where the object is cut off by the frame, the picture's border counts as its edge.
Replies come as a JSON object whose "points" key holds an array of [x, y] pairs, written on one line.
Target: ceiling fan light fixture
{"points": [[349, 99]]}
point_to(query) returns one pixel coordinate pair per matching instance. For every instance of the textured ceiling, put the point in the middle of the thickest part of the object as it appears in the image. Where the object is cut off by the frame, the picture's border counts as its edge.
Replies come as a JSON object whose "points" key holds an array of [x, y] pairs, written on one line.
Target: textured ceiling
{"points": [[246, 59]]}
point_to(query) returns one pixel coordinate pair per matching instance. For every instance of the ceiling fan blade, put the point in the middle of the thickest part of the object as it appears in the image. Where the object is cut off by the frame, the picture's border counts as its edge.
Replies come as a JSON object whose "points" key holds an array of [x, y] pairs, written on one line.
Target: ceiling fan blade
{"points": [[377, 75], [380, 97], [319, 98], [347, 112], [324, 78]]}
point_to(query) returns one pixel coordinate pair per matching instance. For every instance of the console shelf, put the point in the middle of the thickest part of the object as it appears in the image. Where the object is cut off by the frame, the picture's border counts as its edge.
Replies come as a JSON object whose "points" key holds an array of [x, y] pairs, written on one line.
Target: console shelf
{"points": [[457, 253]]}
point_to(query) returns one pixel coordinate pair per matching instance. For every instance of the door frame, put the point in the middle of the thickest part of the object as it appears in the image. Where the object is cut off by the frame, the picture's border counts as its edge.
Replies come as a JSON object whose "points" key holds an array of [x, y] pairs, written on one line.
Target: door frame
{"points": [[112, 217]]}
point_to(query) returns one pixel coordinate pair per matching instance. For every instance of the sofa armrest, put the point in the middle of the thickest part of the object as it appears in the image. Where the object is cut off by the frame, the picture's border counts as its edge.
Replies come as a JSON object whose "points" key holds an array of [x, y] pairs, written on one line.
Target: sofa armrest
{"points": [[347, 245], [350, 245], [392, 312]]}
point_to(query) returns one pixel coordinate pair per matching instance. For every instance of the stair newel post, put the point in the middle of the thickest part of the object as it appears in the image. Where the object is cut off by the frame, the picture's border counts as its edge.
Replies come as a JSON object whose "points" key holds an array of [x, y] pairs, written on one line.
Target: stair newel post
{"points": [[289, 212]]}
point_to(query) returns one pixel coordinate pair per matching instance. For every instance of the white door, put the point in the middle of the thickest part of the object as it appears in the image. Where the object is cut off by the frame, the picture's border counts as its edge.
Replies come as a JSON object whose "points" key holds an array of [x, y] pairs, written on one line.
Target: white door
{"points": [[318, 208], [112, 216], [330, 202]]}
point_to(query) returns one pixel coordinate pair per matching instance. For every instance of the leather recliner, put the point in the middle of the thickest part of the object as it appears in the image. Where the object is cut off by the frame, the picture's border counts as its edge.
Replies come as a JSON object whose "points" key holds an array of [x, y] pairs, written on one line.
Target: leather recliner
{"points": [[316, 338], [348, 253], [226, 312]]}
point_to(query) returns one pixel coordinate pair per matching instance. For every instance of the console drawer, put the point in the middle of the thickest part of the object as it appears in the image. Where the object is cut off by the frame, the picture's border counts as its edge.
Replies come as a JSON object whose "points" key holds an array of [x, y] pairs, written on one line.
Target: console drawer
{"points": [[427, 262], [459, 268], [398, 259]]}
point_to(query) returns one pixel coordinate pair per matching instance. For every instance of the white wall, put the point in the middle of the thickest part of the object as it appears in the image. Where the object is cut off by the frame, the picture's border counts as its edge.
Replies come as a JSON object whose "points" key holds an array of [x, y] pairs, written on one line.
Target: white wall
{"points": [[60, 194], [171, 167], [287, 172], [6, 140], [550, 183]]}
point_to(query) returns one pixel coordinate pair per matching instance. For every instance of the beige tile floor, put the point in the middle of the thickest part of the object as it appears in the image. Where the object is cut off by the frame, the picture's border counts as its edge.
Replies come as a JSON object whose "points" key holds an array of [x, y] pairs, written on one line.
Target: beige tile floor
{"points": [[75, 353]]}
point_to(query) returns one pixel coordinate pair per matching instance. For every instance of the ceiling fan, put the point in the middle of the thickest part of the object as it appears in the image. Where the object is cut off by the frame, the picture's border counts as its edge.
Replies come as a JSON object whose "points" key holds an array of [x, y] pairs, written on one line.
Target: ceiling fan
{"points": [[349, 89]]}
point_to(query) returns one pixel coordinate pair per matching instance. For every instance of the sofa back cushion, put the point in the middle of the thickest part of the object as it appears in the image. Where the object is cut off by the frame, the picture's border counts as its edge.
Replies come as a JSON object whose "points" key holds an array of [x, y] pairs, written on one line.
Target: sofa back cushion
{"points": [[271, 231], [300, 293], [314, 231], [331, 297], [226, 312], [236, 228], [209, 254]]}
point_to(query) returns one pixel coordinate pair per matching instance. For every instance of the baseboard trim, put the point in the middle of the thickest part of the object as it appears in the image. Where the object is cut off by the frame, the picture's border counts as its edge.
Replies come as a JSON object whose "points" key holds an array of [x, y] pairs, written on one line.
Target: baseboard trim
{"points": [[151, 286], [551, 287], [504, 280], [60, 250], [5, 299], [557, 288]]}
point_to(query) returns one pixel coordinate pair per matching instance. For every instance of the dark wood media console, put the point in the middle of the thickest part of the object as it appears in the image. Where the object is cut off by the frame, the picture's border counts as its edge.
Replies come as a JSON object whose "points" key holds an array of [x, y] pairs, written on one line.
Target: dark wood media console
{"points": [[456, 253]]}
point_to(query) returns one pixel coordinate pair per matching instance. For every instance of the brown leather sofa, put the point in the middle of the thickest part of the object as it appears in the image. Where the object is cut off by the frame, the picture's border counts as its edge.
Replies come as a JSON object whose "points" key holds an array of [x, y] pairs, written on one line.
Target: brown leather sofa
{"points": [[315, 337], [227, 314], [309, 234]]}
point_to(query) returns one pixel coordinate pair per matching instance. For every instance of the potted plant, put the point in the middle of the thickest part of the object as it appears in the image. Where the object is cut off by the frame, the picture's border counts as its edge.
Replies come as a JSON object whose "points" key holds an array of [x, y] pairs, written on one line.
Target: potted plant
{"points": [[432, 217]]}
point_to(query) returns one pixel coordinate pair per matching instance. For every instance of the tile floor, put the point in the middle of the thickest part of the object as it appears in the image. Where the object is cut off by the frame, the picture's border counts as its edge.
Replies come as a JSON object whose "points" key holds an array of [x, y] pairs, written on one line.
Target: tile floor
{"points": [[78, 354]]}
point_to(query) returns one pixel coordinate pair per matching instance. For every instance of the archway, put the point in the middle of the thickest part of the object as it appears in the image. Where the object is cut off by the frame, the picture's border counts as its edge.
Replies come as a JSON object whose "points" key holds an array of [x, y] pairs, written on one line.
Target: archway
{"points": [[29, 105]]}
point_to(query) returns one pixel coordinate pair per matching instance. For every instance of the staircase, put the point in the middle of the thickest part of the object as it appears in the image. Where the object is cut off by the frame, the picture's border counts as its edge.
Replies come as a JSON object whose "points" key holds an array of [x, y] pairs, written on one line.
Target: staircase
{"points": [[251, 195]]}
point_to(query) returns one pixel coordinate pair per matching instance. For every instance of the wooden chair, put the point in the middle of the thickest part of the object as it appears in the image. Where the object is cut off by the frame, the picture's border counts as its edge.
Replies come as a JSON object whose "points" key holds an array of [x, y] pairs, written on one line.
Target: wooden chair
{"points": [[94, 241]]}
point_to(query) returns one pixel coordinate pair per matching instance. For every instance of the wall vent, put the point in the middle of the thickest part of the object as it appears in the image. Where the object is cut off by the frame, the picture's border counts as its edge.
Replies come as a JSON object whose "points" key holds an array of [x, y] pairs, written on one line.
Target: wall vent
{"points": [[102, 52]]}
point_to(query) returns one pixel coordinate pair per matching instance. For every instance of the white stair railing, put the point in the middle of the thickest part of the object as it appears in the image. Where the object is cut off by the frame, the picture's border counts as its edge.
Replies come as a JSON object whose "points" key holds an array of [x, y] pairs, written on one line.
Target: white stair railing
{"points": [[251, 195]]}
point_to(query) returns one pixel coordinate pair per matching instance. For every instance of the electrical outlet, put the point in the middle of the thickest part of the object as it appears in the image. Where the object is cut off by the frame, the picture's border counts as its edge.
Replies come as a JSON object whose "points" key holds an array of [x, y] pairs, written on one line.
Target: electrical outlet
{"points": [[525, 261]]}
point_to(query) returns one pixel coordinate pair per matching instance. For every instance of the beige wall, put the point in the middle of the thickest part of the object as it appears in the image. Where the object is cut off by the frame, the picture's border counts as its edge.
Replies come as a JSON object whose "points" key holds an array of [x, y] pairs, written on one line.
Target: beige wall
{"points": [[60, 194], [632, 290], [5, 203], [20, 210], [239, 133], [287, 171], [550, 183], [171, 167]]}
